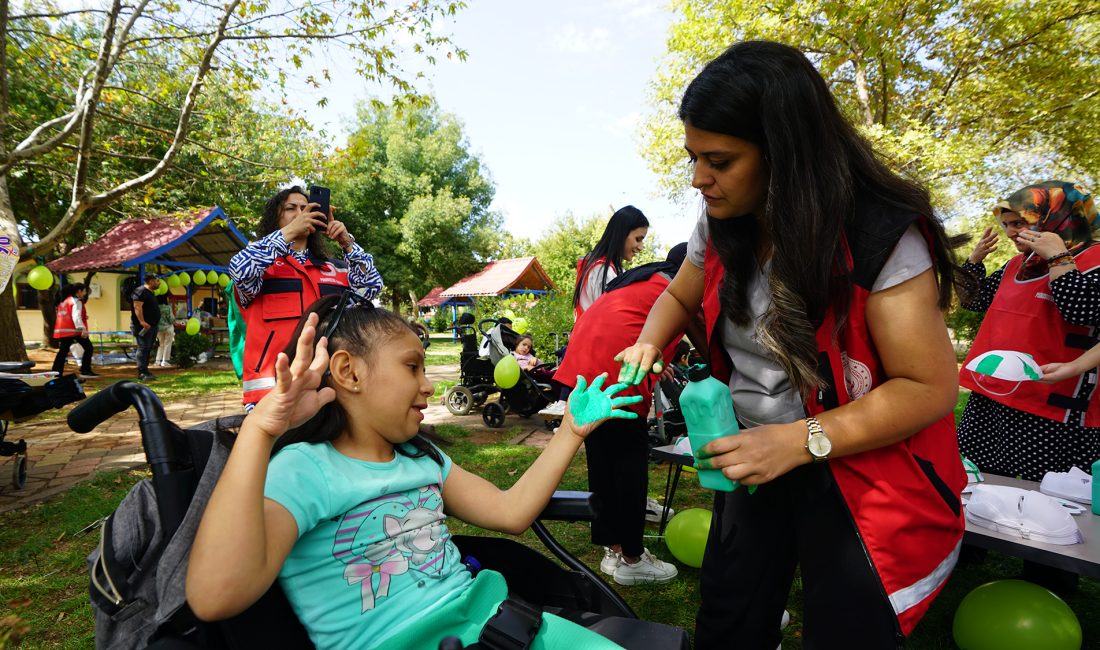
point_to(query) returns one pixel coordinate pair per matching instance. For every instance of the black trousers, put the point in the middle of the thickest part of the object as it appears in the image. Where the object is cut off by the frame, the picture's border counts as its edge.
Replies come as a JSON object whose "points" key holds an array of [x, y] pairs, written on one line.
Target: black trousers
{"points": [[63, 353], [618, 473], [145, 343], [755, 543]]}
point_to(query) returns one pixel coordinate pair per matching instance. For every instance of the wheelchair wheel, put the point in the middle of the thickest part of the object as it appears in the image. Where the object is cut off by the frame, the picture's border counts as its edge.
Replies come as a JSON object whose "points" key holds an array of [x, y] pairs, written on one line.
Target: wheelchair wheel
{"points": [[459, 400], [19, 471], [493, 415]]}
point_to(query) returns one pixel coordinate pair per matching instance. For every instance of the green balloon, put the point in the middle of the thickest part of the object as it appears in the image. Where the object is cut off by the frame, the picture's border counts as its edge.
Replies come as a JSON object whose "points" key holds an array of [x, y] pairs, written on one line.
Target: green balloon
{"points": [[686, 535], [40, 278], [223, 280], [509, 314], [519, 325], [506, 372], [161, 289], [193, 326], [212, 277], [184, 279], [1015, 615], [173, 281], [199, 277]]}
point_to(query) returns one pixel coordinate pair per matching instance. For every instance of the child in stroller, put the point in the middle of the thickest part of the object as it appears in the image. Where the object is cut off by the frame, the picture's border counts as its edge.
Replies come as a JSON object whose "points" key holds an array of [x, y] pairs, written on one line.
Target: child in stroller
{"points": [[279, 519], [476, 381]]}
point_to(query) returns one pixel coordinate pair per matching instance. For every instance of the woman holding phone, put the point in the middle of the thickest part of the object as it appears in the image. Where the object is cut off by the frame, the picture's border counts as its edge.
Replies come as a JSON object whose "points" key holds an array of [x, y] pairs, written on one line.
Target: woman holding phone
{"points": [[286, 269]]}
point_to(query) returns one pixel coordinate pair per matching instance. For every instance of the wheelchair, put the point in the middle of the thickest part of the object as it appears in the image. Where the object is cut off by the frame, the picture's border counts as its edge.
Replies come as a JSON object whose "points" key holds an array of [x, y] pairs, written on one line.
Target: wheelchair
{"points": [[23, 396], [136, 575]]}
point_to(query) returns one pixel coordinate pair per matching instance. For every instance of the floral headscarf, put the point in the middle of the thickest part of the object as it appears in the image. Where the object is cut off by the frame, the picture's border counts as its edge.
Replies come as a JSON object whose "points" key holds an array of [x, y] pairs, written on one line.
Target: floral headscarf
{"points": [[1054, 206]]}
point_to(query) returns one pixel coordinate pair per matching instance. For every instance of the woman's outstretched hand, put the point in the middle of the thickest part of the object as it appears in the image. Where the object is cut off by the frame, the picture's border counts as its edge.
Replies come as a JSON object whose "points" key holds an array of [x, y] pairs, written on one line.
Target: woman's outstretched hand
{"points": [[639, 360], [296, 397], [590, 406], [1043, 244]]}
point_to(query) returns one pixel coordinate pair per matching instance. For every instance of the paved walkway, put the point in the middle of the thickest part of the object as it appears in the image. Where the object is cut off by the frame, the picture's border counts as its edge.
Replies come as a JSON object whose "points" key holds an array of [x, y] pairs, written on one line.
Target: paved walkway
{"points": [[57, 458]]}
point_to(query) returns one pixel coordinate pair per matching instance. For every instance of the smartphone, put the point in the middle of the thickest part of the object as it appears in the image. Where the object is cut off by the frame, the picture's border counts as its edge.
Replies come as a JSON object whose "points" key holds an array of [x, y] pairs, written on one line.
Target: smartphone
{"points": [[320, 196]]}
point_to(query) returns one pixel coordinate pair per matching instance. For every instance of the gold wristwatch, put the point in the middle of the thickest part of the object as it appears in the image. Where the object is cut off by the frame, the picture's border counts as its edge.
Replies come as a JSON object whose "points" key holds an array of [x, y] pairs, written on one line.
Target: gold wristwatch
{"points": [[817, 443]]}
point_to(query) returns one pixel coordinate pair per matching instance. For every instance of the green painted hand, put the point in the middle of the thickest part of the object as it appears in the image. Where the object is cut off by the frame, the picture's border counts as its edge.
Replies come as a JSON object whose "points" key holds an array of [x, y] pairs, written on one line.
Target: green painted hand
{"points": [[588, 404], [631, 373]]}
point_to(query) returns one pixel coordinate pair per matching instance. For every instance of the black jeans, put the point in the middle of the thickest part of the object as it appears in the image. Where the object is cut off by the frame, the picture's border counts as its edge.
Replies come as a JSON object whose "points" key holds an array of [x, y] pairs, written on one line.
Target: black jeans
{"points": [[145, 343], [63, 354], [755, 543], [618, 473]]}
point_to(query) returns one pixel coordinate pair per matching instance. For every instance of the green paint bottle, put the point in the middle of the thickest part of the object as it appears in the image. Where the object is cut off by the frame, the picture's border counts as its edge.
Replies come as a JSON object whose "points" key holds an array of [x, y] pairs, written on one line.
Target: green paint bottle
{"points": [[708, 413]]}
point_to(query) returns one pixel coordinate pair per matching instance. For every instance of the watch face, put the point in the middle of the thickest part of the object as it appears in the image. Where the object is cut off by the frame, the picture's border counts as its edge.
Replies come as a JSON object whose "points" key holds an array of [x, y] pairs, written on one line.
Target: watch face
{"points": [[819, 446]]}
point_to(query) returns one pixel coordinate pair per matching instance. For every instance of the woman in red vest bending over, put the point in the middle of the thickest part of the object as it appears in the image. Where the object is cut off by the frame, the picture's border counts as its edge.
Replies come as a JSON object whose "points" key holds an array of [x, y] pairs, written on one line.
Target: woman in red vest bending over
{"points": [[277, 276], [71, 327], [821, 276], [1045, 302], [621, 241]]}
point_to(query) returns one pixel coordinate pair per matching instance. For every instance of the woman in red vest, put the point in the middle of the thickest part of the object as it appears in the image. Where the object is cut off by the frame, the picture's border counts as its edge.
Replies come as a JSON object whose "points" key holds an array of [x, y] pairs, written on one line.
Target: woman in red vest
{"points": [[821, 276], [621, 240], [71, 327], [1045, 302], [277, 276]]}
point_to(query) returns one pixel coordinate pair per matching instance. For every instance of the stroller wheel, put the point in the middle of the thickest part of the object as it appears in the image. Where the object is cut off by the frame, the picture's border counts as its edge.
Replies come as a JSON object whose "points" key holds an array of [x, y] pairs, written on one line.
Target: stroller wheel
{"points": [[493, 415], [19, 471], [459, 400]]}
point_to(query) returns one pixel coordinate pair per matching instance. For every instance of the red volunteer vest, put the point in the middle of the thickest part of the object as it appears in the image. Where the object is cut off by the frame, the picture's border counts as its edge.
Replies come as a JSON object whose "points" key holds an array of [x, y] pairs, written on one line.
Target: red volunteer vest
{"points": [[904, 498], [1023, 317], [610, 325], [63, 326], [289, 287]]}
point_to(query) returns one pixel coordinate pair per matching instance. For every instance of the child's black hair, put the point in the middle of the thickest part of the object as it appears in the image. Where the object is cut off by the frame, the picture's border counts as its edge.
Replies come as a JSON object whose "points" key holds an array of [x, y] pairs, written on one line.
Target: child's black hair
{"points": [[362, 329]]}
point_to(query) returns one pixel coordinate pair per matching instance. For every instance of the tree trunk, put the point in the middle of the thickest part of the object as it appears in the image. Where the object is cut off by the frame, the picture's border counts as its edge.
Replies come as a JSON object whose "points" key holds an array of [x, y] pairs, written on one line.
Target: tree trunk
{"points": [[11, 338], [47, 305]]}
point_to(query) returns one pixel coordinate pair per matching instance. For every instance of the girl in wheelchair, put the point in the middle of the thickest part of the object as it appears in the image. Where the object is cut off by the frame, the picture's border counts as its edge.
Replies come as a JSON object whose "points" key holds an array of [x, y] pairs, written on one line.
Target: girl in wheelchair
{"points": [[330, 489]]}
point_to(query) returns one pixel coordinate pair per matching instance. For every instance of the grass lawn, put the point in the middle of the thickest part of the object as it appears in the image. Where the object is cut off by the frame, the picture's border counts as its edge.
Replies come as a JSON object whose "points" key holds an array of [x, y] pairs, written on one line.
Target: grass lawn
{"points": [[443, 350], [43, 577]]}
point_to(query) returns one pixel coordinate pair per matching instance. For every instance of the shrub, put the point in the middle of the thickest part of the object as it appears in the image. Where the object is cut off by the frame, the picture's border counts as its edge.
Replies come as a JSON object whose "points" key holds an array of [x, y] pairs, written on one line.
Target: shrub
{"points": [[187, 348], [441, 321]]}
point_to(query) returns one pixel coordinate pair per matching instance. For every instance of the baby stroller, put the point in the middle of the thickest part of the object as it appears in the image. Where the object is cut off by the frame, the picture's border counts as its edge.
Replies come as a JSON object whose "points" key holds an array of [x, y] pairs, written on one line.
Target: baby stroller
{"points": [[24, 396], [475, 381], [669, 424], [528, 396], [137, 572]]}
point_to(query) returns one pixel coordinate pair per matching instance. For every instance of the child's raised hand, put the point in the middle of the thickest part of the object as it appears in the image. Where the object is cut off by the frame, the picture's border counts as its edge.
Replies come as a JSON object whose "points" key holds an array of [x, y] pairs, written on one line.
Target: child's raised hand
{"points": [[296, 397], [589, 406]]}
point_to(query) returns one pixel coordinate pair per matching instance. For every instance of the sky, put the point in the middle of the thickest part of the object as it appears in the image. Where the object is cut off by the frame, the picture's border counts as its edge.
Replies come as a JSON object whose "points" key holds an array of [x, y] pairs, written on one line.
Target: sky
{"points": [[551, 95]]}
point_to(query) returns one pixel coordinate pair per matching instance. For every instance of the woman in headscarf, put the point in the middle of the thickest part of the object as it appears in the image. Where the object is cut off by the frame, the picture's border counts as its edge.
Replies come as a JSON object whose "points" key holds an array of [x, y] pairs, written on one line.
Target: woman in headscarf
{"points": [[1044, 302]]}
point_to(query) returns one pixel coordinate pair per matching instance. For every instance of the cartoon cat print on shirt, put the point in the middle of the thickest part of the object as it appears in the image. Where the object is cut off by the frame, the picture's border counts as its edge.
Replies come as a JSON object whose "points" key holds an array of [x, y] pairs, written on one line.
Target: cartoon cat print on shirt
{"points": [[387, 537]]}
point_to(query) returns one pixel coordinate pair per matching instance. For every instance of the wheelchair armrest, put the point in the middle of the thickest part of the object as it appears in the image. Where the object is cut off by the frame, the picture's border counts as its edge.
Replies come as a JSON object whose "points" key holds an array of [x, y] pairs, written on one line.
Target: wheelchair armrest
{"points": [[566, 505]]}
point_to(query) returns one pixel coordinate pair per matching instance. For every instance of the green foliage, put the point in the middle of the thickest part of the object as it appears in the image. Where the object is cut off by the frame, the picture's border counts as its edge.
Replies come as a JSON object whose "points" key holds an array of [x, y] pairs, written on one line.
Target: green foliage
{"points": [[410, 189], [441, 320], [975, 97], [187, 348]]}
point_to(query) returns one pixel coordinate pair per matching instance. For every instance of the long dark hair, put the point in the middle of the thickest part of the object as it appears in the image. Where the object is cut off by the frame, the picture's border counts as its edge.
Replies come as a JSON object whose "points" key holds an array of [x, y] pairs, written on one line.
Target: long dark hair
{"points": [[362, 330], [820, 167], [269, 221], [610, 246]]}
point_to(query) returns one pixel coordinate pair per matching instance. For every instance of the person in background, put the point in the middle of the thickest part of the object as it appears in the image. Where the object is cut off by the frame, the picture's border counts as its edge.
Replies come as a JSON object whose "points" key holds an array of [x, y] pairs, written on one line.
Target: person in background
{"points": [[621, 240], [166, 332], [144, 318], [523, 354], [1045, 301], [284, 271], [822, 276], [617, 453], [71, 327]]}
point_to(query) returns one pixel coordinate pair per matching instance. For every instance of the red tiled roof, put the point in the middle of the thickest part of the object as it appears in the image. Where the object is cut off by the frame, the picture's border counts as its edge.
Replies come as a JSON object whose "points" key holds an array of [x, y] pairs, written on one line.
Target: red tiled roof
{"points": [[151, 240], [501, 276], [432, 299]]}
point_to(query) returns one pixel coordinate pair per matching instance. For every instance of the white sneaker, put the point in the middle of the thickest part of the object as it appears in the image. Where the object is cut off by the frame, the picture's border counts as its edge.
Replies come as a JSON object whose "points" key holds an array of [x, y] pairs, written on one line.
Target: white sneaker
{"points": [[653, 511], [1075, 485], [647, 570], [611, 561], [557, 409]]}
